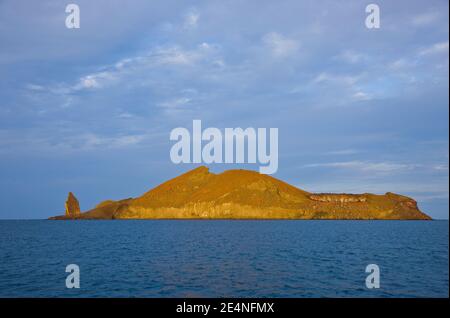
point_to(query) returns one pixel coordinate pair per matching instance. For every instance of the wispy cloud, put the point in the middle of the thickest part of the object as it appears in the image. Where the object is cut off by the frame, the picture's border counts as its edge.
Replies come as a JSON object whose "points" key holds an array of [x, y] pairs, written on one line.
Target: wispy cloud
{"points": [[69, 142], [426, 19], [191, 19], [437, 48], [34, 87], [132, 68], [279, 45], [325, 77], [175, 103], [401, 64], [361, 96], [95, 80], [343, 152], [351, 56], [366, 166]]}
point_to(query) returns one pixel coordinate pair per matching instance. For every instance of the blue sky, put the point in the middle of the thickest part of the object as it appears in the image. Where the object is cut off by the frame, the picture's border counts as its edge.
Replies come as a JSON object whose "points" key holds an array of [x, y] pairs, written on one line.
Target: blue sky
{"points": [[90, 110]]}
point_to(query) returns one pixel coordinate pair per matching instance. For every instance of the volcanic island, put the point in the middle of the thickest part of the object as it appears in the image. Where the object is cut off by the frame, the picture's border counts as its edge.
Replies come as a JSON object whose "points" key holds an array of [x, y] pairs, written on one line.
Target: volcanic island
{"points": [[245, 194]]}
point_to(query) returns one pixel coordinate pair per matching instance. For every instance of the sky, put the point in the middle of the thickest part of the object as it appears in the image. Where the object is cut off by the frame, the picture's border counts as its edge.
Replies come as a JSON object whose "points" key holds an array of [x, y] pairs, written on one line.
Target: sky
{"points": [[90, 110]]}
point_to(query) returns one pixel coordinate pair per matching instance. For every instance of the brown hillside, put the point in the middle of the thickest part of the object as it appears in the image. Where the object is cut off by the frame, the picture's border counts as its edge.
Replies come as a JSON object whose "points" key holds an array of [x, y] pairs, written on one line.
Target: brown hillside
{"points": [[243, 194]]}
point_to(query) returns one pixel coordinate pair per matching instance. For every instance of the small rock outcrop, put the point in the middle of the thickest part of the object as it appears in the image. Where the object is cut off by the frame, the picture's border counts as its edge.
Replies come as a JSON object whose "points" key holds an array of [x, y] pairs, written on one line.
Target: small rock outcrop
{"points": [[72, 206]]}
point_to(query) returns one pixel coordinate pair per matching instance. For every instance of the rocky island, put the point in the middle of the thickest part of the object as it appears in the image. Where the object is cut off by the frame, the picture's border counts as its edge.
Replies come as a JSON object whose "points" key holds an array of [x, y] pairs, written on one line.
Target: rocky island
{"points": [[244, 194]]}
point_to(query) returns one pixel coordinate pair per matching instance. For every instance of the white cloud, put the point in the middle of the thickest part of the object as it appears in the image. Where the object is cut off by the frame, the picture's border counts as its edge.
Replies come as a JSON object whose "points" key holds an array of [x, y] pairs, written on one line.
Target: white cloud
{"points": [[92, 141], [125, 115], [124, 62], [365, 166], [35, 87], [67, 142], [175, 103], [176, 56], [279, 45], [92, 81], [425, 19], [125, 141], [170, 55], [191, 19], [351, 57], [89, 82], [339, 79], [438, 48], [343, 152], [401, 64], [361, 96], [441, 167], [132, 67]]}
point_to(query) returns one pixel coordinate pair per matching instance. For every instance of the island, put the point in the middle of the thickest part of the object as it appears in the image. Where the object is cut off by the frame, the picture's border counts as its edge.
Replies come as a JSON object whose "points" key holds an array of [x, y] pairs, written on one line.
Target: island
{"points": [[245, 194]]}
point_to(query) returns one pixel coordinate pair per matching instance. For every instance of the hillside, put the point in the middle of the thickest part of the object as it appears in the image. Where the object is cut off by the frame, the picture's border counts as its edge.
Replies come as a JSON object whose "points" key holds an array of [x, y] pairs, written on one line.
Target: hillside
{"points": [[243, 194]]}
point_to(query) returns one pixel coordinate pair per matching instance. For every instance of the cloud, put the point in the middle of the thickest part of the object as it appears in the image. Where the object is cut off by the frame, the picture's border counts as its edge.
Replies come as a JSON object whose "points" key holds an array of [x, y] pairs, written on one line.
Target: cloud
{"points": [[91, 141], [279, 45], [175, 103], [125, 115], [191, 19], [337, 79], [343, 152], [437, 48], [361, 96], [351, 57], [401, 64], [35, 87], [175, 56], [68, 142], [441, 167], [425, 19], [95, 80], [133, 70], [365, 166]]}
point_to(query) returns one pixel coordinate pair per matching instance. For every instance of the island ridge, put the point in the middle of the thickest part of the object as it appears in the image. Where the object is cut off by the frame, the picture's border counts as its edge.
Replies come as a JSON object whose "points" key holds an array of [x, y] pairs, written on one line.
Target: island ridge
{"points": [[245, 194]]}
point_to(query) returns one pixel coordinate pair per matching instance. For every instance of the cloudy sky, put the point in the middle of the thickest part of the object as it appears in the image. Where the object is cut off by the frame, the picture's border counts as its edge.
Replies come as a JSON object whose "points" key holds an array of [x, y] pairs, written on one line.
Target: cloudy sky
{"points": [[90, 110]]}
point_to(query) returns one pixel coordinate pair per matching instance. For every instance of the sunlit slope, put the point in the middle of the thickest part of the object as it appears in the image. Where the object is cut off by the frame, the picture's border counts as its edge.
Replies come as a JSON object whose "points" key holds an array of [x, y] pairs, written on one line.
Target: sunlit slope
{"points": [[243, 194]]}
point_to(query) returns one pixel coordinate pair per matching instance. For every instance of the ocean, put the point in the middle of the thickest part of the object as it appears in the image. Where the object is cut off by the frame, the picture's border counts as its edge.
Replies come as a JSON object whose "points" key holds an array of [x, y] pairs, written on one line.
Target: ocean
{"points": [[224, 258]]}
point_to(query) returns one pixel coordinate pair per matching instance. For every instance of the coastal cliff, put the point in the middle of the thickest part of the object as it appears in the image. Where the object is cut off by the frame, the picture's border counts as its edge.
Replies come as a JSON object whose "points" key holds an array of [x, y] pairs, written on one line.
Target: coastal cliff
{"points": [[244, 194]]}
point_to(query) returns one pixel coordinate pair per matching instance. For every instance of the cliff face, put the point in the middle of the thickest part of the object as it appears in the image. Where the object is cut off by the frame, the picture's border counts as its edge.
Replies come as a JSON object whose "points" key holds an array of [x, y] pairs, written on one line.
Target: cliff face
{"points": [[242, 194], [72, 207]]}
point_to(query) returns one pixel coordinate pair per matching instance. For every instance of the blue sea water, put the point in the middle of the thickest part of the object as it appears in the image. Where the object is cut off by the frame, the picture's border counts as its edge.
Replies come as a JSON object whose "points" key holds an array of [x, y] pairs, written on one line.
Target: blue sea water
{"points": [[144, 258]]}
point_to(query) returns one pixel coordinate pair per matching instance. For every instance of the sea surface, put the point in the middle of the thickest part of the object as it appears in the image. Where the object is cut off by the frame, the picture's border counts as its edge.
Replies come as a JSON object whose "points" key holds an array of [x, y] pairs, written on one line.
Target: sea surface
{"points": [[144, 258]]}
